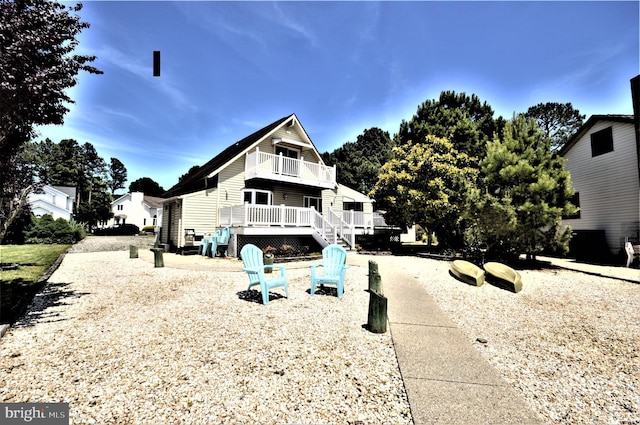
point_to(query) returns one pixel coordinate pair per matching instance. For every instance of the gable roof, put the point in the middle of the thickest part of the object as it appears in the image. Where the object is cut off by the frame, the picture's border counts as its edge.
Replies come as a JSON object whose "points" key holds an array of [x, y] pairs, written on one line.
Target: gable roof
{"points": [[153, 201], [198, 181], [628, 119], [67, 190]]}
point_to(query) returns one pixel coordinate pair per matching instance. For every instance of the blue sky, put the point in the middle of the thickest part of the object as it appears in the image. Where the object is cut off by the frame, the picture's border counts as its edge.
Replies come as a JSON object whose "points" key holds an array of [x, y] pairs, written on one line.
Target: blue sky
{"points": [[230, 68]]}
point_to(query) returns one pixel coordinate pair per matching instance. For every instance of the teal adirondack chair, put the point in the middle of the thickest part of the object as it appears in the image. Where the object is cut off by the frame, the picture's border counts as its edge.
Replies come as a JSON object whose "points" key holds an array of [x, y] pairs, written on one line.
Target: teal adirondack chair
{"points": [[254, 266], [204, 245], [209, 244], [222, 241], [333, 263]]}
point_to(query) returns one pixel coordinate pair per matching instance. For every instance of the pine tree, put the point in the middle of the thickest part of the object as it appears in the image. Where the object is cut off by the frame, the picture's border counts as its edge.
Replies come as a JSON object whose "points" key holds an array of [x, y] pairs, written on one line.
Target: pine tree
{"points": [[523, 193]]}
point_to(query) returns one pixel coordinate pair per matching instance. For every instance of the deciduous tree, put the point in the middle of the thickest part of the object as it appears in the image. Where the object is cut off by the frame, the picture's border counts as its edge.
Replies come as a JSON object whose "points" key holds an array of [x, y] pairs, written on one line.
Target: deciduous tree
{"points": [[426, 184], [37, 66]]}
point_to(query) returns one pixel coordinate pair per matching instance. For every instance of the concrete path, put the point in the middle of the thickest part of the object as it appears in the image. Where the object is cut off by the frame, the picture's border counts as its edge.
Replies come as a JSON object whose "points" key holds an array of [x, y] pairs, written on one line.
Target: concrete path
{"points": [[446, 378]]}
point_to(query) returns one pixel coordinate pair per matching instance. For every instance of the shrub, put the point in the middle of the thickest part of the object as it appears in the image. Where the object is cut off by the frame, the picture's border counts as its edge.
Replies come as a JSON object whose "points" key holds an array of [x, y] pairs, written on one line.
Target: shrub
{"points": [[270, 250], [46, 230], [149, 229], [78, 230], [288, 250]]}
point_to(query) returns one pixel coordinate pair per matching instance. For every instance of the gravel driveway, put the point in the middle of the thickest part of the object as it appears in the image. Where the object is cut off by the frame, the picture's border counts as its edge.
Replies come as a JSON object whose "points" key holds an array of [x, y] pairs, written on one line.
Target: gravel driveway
{"points": [[124, 342]]}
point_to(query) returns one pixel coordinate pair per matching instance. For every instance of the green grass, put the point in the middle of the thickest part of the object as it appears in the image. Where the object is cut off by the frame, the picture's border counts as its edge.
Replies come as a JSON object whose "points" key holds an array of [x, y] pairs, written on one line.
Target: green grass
{"points": [[17, 287]]}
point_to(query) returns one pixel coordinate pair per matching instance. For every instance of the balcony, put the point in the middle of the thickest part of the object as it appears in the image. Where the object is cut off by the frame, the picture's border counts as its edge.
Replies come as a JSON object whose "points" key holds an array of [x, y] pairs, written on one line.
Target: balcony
{"points": [[290, 170]]}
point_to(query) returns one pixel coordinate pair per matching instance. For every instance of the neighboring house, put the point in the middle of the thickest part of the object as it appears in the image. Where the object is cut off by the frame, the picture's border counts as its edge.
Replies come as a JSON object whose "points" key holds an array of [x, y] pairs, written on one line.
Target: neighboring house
{"points": [[602, 158], [137, 208], [272, 189], [56, 201]]}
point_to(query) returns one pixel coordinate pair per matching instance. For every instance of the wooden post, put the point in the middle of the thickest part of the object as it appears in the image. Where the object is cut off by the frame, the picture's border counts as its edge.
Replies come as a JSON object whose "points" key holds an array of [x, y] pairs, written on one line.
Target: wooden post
{"points": [[157, 257], [133, 251], [377, 319], [375, 282]]}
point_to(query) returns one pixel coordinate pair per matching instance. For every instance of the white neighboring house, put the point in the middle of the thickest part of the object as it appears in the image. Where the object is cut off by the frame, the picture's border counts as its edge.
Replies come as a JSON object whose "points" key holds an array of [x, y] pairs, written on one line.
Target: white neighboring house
{"points": [[57, 201], [137, 208], [602, 158]]}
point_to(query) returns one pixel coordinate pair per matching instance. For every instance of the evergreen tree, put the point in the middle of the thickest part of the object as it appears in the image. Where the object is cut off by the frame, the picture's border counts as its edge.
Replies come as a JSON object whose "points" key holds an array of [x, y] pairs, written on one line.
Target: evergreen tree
{"points": [[523, 193], [117, 175], [69, 164], [559, 121], [147, 186], [359, 162], [463, 120]]}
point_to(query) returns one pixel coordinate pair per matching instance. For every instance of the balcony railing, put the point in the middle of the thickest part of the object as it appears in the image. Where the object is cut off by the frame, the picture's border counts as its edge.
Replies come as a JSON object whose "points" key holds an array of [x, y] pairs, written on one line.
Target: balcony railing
{"points": [[278, 167]]}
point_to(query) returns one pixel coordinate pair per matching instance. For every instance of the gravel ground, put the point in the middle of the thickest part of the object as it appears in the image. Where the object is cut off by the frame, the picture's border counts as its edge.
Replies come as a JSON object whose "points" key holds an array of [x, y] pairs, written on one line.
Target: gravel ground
{"points": [[569, 342], [124, 342], [129, 343]]}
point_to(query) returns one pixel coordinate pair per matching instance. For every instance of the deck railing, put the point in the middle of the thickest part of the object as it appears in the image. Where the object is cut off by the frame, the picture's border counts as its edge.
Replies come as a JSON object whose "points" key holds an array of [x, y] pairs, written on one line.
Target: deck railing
{"points": [[271, 215], [358, 219], [282, 168]]}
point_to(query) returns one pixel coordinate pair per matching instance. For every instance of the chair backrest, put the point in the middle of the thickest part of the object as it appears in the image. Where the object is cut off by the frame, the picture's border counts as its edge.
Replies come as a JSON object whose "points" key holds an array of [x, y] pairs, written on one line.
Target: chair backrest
{"points": [[628, 248], [334, 257], [252, 258], [223, 236]]}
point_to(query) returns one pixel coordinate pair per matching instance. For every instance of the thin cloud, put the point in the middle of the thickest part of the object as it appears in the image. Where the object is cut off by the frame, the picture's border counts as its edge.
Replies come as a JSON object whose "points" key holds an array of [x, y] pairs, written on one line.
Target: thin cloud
{"points": [[134, 65]]}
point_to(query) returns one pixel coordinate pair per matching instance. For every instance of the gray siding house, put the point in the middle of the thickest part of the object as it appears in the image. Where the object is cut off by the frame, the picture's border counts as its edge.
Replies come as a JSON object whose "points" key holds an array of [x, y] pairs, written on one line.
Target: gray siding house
{"points": [[271, 189], [602, 158]]}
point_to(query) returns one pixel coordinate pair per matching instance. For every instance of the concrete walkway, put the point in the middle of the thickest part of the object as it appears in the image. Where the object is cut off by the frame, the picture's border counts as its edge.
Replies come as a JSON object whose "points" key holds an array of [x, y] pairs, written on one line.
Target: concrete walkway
{"points": [[446, 378]]}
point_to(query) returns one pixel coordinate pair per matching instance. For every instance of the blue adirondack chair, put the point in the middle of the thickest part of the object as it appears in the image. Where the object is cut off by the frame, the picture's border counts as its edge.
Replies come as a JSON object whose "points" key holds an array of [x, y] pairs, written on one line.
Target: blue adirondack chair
{"points": [[334, 267], [254, 266], [222, 241], [204, 245], [207, 246]]}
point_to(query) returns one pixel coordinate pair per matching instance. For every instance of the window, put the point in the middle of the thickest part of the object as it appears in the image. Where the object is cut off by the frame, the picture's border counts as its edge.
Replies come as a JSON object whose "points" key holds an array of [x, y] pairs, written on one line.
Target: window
{"points": [[602, 142], [286, 152], [356, 206], [310, 201], [575, 200], [255, 196], [120, 207]]}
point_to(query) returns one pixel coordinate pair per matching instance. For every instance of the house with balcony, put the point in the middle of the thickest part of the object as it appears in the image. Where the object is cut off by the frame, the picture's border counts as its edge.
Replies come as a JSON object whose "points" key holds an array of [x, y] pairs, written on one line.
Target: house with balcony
{"points": [[271, 189]]}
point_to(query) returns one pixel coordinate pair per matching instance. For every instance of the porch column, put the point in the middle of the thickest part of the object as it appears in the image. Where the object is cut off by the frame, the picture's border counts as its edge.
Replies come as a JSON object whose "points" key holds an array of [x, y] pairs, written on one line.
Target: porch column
{"points": [[283, 214]]}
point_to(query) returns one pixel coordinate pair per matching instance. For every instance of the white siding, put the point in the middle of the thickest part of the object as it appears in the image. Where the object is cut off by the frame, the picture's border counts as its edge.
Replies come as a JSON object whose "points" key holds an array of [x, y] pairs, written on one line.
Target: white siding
{"points": [[231, 183], [200, 211], [607, 184]]}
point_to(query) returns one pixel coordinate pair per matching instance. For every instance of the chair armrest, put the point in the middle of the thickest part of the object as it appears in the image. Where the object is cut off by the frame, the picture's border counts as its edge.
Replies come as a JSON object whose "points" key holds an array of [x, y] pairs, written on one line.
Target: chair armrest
{"points": [[252, 269], [282, 269]]}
